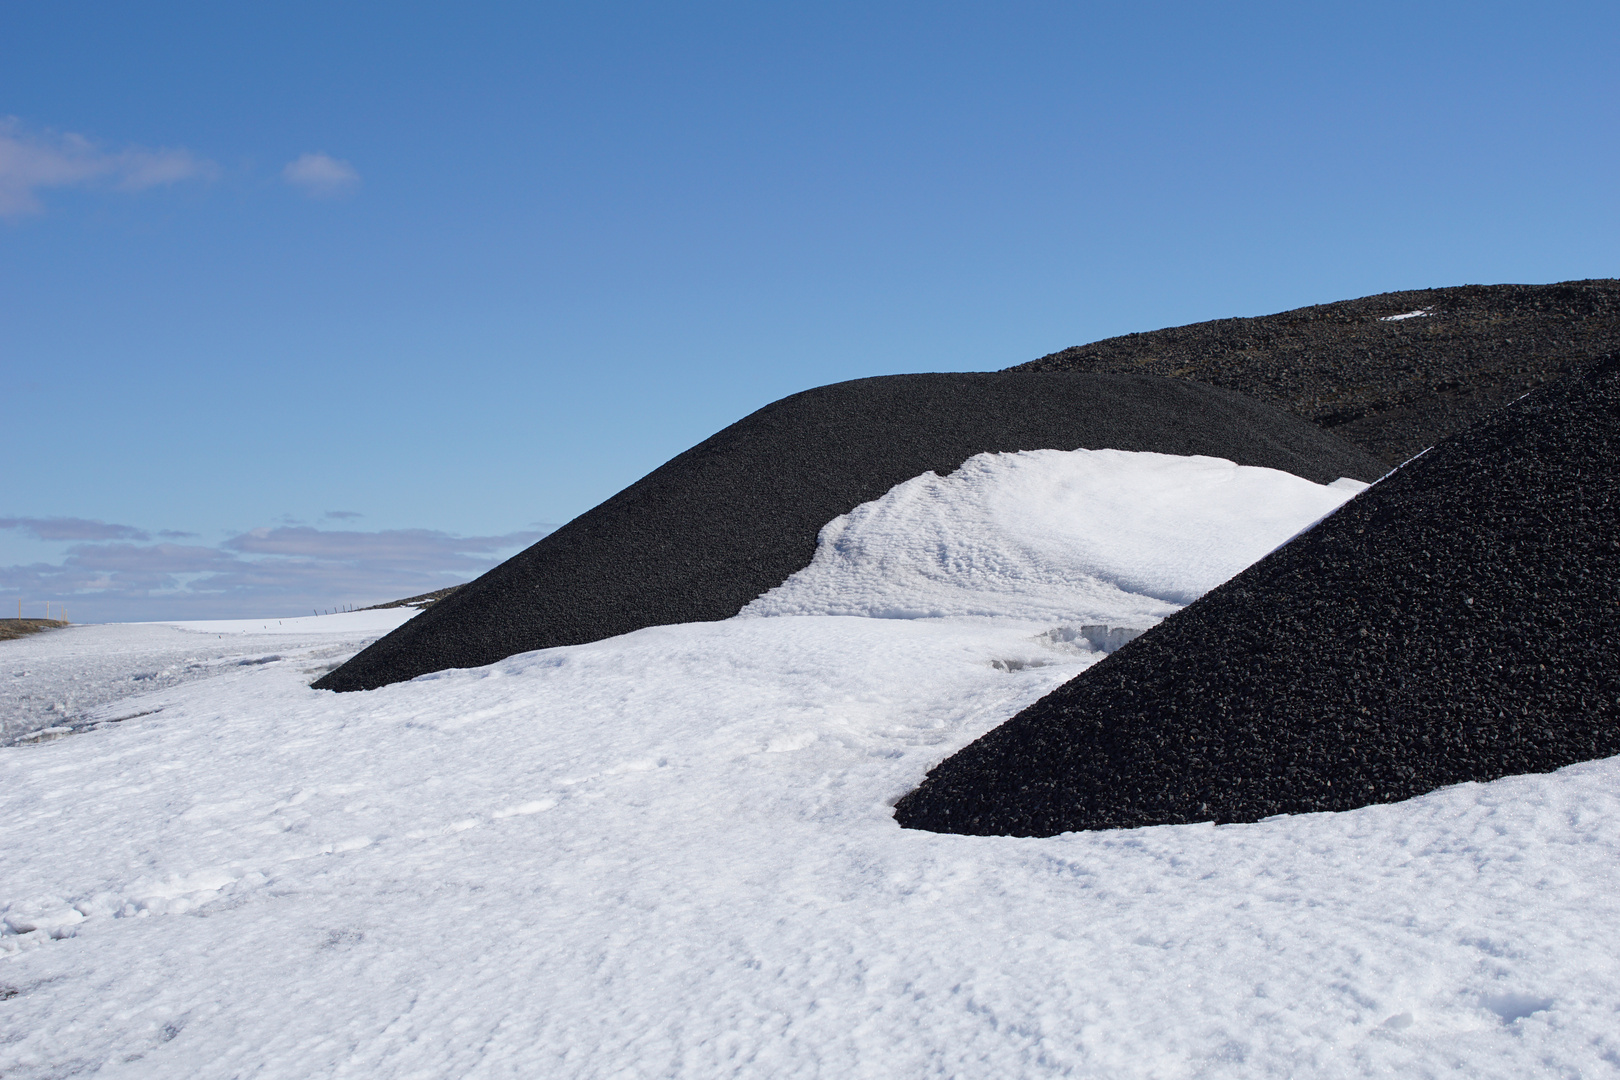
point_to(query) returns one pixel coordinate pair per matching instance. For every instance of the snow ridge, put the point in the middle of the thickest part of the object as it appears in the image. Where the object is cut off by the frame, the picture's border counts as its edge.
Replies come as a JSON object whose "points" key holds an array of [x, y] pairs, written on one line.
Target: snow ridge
{"points": [[1101, 536]]}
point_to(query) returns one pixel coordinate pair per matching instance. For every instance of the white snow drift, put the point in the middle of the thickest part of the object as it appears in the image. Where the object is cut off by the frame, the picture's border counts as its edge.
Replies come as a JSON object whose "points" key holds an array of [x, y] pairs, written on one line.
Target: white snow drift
{"points": [[673, 854], [1078, 536]]}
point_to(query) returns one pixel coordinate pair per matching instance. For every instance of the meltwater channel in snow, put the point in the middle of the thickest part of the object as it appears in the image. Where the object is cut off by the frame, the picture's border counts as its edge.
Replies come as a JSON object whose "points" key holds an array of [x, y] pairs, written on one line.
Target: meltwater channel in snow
{"points": [[673, 854]]}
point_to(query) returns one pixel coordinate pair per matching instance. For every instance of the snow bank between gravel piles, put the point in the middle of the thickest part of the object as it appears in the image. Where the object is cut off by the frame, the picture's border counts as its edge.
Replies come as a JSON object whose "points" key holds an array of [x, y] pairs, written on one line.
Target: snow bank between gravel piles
{"points": [[1063, 536]]}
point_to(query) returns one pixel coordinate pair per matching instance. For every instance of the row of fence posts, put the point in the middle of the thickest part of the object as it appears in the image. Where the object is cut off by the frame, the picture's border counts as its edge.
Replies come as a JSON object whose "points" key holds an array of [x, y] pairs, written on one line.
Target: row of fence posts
{"points": [[61, 611]]}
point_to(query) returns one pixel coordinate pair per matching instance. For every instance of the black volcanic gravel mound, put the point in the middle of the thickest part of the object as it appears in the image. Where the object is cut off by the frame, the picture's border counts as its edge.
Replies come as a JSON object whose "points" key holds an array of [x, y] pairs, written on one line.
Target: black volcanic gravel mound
{"points": [[734, 516], [1391, 387], [1458, 621]]}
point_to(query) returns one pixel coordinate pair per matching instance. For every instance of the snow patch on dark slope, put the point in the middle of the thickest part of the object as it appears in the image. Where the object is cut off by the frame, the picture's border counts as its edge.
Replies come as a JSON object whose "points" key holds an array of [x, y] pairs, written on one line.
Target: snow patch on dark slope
{"points": [[1459, 621], [1079, 537], [707, 532], [1392, 373]]}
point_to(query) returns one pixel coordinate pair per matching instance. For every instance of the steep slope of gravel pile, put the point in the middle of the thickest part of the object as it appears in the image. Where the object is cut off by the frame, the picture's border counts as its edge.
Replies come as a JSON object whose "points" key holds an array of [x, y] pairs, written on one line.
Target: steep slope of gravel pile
{"points": [[1458, 621], [1390, 384], [710, 530]]}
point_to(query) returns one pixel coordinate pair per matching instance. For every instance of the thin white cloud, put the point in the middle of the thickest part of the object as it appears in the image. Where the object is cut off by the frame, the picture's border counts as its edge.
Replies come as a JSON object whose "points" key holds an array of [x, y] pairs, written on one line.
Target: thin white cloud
{"points": [[320, 175], [406, 547], [66, 528], [266, 571], [31, 163]]}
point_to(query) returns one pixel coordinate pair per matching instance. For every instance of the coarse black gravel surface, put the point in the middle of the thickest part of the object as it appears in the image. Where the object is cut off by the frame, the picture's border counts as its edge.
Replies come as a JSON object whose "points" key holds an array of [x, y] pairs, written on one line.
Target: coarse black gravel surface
{"points": [[1458, 621], [707, 532], [1391, 386]]}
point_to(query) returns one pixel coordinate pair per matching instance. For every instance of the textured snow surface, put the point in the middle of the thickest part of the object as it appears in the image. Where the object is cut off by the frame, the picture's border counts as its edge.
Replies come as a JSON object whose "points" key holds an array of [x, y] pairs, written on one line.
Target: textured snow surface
{"points": [[672, 853], [73, 678], [365, 624], [1076, 536]]}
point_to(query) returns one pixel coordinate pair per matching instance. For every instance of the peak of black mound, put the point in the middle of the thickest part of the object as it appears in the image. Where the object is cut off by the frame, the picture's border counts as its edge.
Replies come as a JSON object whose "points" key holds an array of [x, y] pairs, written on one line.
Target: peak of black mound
{"points": [[1458, 621], [734, 516], [1390, 385]]}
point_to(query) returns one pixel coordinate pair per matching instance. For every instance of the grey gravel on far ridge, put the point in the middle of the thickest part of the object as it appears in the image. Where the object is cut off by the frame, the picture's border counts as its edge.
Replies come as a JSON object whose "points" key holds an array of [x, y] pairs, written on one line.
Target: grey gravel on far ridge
{"points": [[1392, 373]]}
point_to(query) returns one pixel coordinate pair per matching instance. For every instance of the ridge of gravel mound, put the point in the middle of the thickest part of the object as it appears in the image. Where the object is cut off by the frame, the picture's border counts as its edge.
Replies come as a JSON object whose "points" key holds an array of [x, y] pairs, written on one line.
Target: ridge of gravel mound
{"points": [[1392, 385], [1458, 621], [705, 533], [421, 600]]}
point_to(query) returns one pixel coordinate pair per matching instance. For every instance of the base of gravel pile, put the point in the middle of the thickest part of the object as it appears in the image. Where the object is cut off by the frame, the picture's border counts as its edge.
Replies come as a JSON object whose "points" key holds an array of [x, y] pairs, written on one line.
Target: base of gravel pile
{"points": [[710, 530], [1458, 621], [1393, 373]]}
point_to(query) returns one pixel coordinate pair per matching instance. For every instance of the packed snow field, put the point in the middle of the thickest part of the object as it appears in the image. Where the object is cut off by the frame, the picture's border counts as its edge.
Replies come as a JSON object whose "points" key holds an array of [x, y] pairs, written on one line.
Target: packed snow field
{"points": [[62, 681], [672, 853]]}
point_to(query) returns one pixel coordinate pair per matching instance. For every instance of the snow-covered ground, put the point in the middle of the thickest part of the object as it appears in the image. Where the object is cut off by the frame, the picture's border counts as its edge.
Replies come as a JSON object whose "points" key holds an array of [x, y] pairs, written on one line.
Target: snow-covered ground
{"points": [[672, 854], [67, 680]]}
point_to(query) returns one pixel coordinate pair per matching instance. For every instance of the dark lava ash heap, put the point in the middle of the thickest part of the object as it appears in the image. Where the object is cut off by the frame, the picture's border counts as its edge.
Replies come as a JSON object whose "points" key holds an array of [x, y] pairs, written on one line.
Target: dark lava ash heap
{"points": [[710, 530], [1459, 621], [1392, 387]]}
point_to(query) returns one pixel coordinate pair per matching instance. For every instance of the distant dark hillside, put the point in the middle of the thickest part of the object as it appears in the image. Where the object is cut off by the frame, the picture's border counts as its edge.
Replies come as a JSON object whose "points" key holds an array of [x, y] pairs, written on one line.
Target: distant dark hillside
{"points": [[1392, 387]]}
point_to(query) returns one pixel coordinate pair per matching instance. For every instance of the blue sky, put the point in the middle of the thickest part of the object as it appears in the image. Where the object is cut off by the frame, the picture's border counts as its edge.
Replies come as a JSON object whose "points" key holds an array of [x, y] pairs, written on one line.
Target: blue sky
{"points": [[307, 304]]}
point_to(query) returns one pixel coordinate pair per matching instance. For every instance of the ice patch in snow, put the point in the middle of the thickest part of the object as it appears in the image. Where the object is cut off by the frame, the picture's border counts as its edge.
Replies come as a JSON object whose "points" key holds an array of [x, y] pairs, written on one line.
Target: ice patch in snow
{"points": [[1103, 639]]}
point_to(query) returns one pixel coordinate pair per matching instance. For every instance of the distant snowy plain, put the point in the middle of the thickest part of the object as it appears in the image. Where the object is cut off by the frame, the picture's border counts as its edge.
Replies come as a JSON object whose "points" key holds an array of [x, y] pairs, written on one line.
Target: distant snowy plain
{"points": [[672, 853]]}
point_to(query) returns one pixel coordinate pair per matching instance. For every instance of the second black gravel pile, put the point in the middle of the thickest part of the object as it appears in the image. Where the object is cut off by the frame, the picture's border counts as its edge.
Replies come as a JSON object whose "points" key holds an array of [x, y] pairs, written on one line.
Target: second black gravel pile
{"points": [[734, 516], [1459, 621], [1391, 385]]}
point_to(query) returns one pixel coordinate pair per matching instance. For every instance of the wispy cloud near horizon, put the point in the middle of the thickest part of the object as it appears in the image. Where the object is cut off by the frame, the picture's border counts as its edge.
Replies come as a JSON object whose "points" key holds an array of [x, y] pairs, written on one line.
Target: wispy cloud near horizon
{"points": [[115, 574], [68, 528], [321, 176], [33, 162]]}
